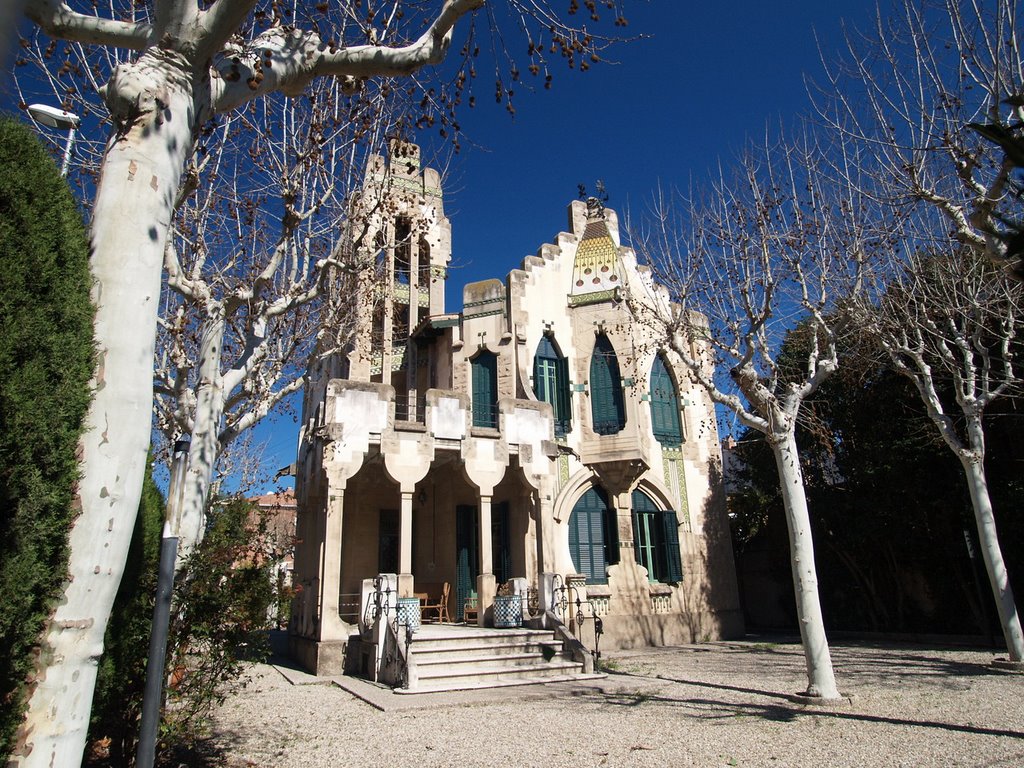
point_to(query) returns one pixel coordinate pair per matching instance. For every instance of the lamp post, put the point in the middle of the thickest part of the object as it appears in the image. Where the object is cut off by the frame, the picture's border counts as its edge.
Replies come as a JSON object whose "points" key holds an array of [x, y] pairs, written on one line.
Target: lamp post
{"points": [[64, 121], [152, 697]]}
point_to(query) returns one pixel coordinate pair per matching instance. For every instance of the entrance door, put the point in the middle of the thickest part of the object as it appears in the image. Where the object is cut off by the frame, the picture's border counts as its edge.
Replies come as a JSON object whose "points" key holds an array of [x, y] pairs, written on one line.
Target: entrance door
{"points": [[467, 565]]}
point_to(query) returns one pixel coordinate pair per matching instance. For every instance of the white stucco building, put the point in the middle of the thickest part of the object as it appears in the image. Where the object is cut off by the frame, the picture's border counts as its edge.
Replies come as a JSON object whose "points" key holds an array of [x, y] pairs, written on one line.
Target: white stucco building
{"points": [[535, 435]]}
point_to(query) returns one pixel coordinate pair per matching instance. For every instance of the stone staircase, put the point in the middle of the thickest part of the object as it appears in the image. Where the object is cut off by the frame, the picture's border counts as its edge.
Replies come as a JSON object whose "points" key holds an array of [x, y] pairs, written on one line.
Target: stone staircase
{"points": [[456, 658]]}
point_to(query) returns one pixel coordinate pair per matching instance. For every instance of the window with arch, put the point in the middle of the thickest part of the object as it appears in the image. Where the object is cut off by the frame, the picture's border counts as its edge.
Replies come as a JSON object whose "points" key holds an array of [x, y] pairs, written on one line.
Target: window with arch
{"points": [[485, 389], [593, 536], [551, 383], [423, 263], [664, 406], [656, 540], [607, 407]]}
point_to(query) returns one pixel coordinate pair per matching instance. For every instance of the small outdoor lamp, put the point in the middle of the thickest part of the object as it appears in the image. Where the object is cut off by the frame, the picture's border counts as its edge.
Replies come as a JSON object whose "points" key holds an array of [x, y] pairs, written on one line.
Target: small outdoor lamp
{"points": [[61, 120]]}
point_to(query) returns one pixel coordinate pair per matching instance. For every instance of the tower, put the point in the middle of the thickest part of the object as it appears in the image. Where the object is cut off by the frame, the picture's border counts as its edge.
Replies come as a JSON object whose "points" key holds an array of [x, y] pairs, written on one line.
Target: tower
{"points": [[408, 237]]}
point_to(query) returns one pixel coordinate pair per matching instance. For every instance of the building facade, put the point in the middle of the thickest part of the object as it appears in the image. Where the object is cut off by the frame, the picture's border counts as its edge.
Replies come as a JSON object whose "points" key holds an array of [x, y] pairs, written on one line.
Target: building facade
{"points": [[539, 435]]}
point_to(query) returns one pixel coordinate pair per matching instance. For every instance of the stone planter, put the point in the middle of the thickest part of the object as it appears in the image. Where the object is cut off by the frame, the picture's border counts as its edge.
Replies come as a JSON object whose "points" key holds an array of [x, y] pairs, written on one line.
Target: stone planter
{"points": [[508, 611]]}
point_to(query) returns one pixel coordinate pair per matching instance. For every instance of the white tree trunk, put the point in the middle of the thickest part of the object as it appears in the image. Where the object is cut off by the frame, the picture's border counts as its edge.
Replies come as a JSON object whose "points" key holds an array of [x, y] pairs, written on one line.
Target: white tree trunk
{"points": [[821, 681], [973, 462], [134, 200], [204, 449]]}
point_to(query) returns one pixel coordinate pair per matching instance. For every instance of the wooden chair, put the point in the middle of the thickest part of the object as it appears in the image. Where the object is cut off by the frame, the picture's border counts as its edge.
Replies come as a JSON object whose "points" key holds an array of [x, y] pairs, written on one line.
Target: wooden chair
{"points": [[470, 610], [440, 607]]}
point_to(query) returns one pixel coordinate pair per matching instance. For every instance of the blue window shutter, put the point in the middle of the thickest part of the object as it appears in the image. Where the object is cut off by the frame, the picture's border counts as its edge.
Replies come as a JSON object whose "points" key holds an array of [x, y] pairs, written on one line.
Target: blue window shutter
{"points": [[606, 400], [664, 406]]}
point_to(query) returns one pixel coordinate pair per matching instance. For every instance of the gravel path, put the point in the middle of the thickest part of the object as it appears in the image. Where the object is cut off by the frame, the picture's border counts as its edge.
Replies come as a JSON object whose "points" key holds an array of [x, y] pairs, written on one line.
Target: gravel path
{"points": [[715, 704]]}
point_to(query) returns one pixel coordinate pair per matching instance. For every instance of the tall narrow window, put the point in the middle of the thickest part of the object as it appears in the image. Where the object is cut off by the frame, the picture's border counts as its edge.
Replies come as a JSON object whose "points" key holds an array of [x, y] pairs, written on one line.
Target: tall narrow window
{"points": [[664, 406], [551, 383], [423, 264], [656, 540], [606, 401], [593, 536], [403, 249], [485, 390]]}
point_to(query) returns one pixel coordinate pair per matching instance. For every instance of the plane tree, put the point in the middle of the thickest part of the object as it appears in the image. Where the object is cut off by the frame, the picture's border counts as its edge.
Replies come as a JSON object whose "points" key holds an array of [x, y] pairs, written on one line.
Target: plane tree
{"points": [[165, 71], [933, 100], [774, 245]]}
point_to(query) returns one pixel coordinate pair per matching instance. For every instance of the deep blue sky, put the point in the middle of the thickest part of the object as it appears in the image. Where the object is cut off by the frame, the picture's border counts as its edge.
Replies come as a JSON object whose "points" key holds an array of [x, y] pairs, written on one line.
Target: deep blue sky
{"points": [[706, 78]]}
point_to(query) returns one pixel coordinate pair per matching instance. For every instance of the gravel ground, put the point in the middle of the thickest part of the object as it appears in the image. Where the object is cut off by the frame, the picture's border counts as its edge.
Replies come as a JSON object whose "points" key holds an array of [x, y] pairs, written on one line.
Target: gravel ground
{"points": [[714, 704]]}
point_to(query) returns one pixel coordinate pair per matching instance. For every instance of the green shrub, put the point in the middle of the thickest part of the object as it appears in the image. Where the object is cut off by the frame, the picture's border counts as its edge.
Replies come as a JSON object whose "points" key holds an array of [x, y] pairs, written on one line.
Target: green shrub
{"points": [[223, 600], [46, 358]]}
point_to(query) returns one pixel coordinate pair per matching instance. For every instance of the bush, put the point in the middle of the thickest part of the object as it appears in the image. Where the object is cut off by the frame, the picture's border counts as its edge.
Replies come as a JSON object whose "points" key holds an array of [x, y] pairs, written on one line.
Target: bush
{"points": [[222, 600], [46, 359], [223, 603]]}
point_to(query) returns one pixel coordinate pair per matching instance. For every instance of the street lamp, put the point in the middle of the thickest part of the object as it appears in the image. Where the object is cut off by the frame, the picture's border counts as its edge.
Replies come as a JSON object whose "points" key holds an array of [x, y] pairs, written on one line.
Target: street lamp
{"points": [[64, 121]]}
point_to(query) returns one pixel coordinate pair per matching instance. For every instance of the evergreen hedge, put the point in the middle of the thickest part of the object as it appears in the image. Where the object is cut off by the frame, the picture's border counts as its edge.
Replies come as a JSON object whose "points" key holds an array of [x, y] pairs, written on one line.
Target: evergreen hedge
{"points": [[46, 359]]}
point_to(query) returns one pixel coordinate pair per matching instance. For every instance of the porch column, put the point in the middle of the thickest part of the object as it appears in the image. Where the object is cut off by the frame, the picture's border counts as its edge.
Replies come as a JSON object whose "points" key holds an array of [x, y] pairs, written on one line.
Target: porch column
{"points": [[486, 553], [331, 625], [405, 578], [624, 518], [485, 586]]}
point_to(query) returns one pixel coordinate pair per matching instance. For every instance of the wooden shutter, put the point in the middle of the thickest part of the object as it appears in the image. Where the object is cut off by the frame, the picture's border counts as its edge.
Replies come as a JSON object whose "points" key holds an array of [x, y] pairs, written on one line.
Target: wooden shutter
{"points": [[607, 405], [664, 406], [670, 543], [485, 390], [586, 537]]}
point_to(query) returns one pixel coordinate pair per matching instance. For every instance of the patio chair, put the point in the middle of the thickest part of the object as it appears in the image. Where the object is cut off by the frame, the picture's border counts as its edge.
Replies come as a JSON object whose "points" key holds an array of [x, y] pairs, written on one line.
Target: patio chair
{"points": [[440, 608]]}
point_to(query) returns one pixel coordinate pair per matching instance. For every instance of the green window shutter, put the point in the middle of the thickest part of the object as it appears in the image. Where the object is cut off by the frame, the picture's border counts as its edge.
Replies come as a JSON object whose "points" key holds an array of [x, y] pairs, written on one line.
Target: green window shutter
{"points": [[485, 390], [586, 536], [670, 540], [606, 399], [563, 398], [551, 383], [664, 406], [656, 540]]}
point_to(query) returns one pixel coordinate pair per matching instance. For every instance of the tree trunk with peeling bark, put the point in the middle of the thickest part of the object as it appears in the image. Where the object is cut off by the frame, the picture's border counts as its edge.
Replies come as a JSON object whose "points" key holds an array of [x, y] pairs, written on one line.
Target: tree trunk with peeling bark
{"points": [[137, 186], [193, 61], [821, 677]]}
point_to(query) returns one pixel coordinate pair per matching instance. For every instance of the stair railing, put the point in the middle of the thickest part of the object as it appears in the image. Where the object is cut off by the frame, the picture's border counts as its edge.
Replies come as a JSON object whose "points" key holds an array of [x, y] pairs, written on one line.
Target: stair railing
{"points": [[571, 607], [383, 622]]}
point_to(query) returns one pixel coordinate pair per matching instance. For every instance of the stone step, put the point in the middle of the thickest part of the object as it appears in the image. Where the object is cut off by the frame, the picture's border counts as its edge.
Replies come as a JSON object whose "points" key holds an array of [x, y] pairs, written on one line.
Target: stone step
{"points": [[488, 675], [419, 650], [469, 662], [504, 683]]}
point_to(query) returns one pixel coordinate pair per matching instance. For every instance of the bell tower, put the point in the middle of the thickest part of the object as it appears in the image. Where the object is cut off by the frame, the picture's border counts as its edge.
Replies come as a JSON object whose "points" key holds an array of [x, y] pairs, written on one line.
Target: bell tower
{"points": [[407, 237]]}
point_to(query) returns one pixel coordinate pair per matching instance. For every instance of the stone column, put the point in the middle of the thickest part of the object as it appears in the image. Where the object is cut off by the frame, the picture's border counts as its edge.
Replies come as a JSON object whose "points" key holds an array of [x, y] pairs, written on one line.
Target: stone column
{"points": [[331, 625], [405, 577], [485, 584]]}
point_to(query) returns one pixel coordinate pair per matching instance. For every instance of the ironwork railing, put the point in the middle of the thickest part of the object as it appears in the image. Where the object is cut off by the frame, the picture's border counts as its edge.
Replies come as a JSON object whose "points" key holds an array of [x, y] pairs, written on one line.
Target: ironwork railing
{"points": [[383, 611], [411, 409], [567, 601]]}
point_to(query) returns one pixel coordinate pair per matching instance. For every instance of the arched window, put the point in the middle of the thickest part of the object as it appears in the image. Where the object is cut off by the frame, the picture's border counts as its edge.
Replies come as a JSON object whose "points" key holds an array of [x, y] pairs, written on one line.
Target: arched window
{"points": [[656, 540], [551, 383], [606, 402], [664, 406], [593, 536], [423, 278], [485, 390]]}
